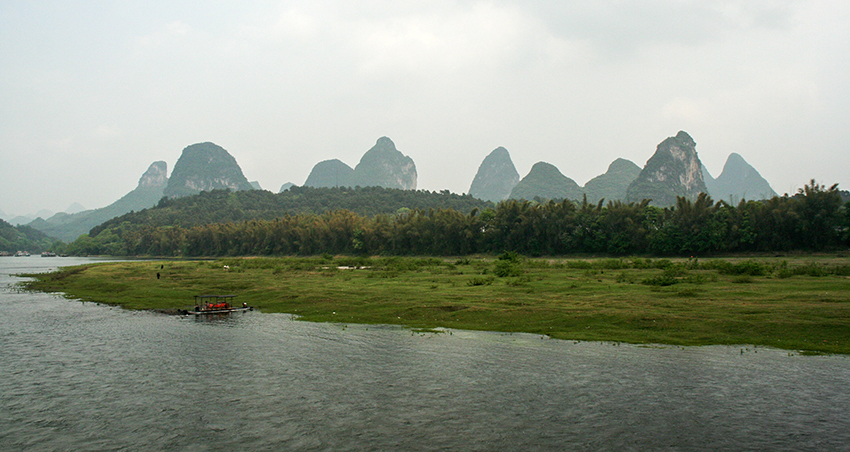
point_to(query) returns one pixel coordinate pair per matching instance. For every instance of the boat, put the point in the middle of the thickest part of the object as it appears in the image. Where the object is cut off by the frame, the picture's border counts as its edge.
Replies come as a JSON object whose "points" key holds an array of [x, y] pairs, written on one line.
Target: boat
{"points": [[217, 304], [22, 254], [48, 254]]}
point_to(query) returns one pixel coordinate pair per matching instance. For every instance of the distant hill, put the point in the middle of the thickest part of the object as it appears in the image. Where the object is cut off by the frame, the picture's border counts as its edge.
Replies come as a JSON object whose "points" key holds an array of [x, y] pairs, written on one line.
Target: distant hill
{"points": [[496, 177], [544, 181], [205, 167], [612, 185], [23, 238], [738, 181], [674, 170], [75, 208], [330, 173], [21, 219], [286, 186], [223, 206], [384, 166], [68, 227]]}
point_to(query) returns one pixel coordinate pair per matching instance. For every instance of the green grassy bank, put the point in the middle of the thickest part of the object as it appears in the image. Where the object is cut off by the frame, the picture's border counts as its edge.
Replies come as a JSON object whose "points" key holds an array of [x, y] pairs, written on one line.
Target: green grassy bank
{"points": [[798, 303]]}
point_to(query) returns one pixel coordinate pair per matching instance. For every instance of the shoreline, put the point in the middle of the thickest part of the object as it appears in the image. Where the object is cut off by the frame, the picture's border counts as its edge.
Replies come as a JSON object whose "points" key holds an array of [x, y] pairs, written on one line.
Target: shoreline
{"points": [[799, 304]]}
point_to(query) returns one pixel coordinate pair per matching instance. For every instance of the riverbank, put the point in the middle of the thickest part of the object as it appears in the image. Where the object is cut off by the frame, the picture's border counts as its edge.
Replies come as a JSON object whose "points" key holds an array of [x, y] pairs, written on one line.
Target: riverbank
{"points": [[797, 303]]}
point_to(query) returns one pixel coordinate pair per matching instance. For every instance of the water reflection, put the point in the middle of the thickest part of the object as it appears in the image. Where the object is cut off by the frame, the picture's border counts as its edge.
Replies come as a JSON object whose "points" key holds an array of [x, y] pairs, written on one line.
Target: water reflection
{"points": [[77, 376]]}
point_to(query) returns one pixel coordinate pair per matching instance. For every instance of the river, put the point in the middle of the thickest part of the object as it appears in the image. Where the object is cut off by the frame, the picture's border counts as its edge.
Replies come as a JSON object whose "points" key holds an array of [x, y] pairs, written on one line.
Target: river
{"points": [[82, 376]]}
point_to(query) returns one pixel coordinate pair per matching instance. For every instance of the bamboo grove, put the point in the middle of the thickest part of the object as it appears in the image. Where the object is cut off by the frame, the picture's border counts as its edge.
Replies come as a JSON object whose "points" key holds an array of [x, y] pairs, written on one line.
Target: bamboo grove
{"points": [[812, 220]]}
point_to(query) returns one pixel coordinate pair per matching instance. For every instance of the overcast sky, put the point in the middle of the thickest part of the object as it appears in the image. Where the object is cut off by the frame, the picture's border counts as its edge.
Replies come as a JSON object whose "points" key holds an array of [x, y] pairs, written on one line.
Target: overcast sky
{"points": [[91, 93]]}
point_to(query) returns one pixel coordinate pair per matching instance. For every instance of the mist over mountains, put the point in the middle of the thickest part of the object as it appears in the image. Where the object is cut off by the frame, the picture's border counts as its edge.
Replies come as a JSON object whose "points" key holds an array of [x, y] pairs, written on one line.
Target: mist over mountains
{"points": [[148, 192], [673, 170], [739, 180]]}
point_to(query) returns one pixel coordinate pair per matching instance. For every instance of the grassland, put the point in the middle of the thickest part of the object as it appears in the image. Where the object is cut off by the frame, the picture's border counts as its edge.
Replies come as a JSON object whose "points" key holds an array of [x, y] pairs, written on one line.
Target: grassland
{"points": [[800, 303]]}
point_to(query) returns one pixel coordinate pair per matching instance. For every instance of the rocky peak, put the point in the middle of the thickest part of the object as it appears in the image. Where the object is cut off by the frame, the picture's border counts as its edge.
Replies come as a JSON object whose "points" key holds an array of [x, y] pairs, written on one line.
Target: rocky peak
{"points": [[496, 177], [613, 184], [155, 176], [330, 173], [738, 181], [685, 140], [205, 167], [674, 170], [737, 168], [545, 181], [385, 143], [384, 166]]}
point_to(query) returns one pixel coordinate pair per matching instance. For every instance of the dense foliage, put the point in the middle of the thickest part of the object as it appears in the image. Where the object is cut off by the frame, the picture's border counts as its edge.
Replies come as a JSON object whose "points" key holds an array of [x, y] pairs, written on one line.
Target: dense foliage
{"points": [[220, 206], [813, 220], [25, 238]]}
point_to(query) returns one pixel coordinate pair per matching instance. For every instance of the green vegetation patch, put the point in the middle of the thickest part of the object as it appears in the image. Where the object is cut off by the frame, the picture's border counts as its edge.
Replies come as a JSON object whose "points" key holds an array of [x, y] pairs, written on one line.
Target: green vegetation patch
{"points": [[773, 302]]}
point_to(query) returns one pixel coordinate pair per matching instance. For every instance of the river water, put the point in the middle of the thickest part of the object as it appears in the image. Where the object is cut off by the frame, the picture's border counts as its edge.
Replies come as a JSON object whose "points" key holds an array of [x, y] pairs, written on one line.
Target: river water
{"points": [[82, 376]]}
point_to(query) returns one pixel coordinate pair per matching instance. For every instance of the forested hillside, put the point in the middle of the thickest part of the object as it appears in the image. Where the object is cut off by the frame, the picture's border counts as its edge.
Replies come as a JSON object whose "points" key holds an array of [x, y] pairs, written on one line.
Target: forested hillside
{"points": [[814, 220], [25, 238], [222, 206]]}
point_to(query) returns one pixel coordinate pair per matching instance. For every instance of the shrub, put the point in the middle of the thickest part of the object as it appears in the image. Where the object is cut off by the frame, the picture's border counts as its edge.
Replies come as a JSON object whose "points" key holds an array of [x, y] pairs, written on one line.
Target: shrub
{"points": [[669, 277], [505, 268], [660, 280], [623, 278], [662, 263], [480, 281], [811, 270], [638, 262], [612, 264], [520, 281], [747, 267], [511, 256]]}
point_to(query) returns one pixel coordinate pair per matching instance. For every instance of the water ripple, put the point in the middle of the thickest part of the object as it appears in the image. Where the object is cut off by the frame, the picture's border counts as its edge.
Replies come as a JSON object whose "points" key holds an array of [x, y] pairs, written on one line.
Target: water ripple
{"points": [[79, 376]]}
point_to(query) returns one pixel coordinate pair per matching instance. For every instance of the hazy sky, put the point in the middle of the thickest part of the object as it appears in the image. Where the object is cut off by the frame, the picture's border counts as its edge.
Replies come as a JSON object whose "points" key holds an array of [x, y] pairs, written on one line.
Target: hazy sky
{"points": [[91, 93]]}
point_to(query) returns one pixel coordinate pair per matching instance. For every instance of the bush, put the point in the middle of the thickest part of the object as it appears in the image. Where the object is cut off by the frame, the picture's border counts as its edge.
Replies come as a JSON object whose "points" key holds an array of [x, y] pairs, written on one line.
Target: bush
{"points": [[748, 267], [662, 263], [669, 277], [505, 268], [660, 280], [520, 281], [480, 281], [623, 278], [811, 270], [510, 256], [612, 264], [638, 262]]}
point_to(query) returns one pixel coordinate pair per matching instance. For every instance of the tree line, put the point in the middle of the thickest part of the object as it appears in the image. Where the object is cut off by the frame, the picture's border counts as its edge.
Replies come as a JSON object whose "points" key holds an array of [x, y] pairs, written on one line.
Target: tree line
{"points": [[25, 238], [220, 206], [814, 220]]}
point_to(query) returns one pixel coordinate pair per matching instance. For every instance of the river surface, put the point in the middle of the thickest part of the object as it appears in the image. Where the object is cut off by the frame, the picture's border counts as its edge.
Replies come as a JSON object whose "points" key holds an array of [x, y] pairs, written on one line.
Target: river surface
{"points": [[81, 376]]}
